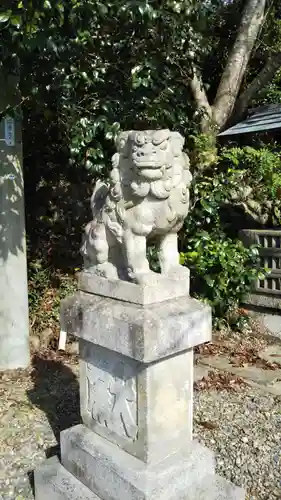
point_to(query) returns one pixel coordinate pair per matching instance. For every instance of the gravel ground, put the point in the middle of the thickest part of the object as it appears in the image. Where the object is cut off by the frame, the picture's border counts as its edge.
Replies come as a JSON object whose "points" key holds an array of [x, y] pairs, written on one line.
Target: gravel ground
{"points": [[243, 427], [35, 407], [244, 430]]}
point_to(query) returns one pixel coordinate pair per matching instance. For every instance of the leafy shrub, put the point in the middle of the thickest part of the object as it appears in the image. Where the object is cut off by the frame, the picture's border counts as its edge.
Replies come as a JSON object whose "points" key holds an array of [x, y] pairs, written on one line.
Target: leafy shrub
{"points": [[222, 270], [46, 288], [254, 174]]}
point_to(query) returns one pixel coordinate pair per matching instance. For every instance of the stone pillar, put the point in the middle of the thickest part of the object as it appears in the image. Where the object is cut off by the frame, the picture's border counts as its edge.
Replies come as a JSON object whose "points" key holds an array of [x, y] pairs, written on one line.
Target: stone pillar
{"points": [[137, 330], [136, 392], [14, 324]]}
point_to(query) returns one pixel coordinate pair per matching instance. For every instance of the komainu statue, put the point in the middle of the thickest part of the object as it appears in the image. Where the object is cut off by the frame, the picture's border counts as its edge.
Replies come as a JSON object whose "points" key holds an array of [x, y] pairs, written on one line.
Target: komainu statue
{"points": [[146, 200]]}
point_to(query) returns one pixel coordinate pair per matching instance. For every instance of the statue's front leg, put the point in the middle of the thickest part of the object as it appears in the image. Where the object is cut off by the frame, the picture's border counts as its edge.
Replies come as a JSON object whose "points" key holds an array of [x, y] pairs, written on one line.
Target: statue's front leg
{"points": [[95, 251], [135, 250], [168, 254]]}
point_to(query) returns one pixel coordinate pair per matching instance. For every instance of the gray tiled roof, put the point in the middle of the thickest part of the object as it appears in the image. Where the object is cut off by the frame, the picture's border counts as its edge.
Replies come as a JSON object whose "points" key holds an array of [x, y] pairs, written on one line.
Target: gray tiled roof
{"points": [[258, 120]]}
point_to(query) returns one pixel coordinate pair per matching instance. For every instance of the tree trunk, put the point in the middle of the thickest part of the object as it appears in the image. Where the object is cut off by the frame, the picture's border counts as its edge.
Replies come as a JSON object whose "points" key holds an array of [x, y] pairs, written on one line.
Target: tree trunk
{"points": [[215, 116], [252, 19]]}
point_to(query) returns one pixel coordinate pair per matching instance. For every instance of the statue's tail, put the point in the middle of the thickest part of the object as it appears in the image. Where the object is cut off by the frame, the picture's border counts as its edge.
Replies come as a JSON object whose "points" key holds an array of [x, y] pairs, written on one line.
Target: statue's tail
{"points": [[104, 210], [112, 221], [98, 199]]}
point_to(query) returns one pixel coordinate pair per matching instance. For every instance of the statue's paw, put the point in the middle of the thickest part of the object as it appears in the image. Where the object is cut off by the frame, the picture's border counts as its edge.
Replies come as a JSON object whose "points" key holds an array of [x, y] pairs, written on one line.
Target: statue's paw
{"points": [[106, 270], [146, 278], [178, 272]]}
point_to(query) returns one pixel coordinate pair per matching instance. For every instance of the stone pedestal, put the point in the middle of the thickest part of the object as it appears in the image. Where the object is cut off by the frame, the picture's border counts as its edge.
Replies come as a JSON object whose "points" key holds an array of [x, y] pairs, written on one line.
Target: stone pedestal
{"points": [[136, 392]]}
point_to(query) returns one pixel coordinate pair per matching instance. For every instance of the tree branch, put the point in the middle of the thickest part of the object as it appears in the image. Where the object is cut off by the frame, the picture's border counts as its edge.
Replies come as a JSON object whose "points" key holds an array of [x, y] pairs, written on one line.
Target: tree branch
{"points": [[198, 91], [260, 81], [200, 96], [252, 19]]}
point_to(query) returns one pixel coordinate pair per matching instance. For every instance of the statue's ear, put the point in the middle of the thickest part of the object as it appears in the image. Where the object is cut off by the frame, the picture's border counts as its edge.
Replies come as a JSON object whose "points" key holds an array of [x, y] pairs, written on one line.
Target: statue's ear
{"points": [[187, 161], [177, 142], [115, 160], [121, 140]]}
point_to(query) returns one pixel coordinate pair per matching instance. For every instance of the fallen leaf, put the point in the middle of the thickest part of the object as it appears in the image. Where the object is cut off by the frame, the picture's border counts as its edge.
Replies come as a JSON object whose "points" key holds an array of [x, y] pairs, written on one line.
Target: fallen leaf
{"points": [[208, 425], [219, 382]]}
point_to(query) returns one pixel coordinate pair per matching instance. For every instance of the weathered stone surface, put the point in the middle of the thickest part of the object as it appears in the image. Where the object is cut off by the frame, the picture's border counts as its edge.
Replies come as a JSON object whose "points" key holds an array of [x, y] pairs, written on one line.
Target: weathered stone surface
{"points": [[268, 318], [200, 372], [145, 333], [54, 482], [114, 474], [146, 409], [263, 300], [272, 353], [158, 290], [215, 487], [147, 198]]}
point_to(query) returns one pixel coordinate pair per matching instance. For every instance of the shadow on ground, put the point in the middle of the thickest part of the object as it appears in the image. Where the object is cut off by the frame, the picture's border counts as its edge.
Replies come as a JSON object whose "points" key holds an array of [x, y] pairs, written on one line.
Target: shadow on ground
{"points": [[56, 392]]}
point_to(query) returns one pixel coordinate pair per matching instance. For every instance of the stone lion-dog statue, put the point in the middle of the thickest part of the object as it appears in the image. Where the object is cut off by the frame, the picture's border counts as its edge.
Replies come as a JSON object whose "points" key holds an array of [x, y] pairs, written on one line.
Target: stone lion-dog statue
{"points": [[146, 200]]}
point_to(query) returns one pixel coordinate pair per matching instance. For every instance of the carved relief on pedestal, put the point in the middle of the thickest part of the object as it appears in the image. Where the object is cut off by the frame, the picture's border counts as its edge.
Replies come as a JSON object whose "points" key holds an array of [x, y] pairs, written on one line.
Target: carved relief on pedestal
{"points": [[111, 401]]}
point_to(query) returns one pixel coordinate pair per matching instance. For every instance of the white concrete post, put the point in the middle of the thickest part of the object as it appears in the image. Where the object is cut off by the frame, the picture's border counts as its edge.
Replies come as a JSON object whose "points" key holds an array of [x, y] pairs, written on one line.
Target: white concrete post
{"points": [[14, 322]]}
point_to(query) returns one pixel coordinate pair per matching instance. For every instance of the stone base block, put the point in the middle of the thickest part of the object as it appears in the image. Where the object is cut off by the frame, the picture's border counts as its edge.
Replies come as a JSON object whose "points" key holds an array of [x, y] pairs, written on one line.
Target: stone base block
{"points": [[144, 333], [158, 289], [54, 482], [114, 474], [95, 469]]}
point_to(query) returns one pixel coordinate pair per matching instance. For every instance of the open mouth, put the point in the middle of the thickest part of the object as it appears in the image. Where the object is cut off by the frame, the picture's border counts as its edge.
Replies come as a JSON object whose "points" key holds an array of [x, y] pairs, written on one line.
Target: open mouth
{"points": [[150, 173], [148, 164]]}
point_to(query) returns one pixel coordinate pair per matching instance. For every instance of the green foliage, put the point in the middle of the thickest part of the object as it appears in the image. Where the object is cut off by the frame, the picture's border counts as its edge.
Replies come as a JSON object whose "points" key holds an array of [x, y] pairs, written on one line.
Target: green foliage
{"points": [[88, 64], [255, 177], [271, 93], [88, 68], [46, 288], [93, 67], [222, 269]]}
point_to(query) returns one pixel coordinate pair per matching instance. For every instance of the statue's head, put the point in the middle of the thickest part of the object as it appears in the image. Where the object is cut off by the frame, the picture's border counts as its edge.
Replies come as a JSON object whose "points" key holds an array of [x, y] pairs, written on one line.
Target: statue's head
{"points": [[150, 152]]}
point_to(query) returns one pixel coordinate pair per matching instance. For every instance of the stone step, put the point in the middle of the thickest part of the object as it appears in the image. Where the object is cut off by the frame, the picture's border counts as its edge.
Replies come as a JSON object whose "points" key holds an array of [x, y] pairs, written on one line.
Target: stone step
{"points": [[214, 487], [115, 474], [54, 482], [266, 380]]}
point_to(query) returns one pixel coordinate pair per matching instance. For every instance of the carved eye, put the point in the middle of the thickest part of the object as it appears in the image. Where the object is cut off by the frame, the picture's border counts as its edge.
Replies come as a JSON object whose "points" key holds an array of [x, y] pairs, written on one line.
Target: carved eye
{"points": [[164, 145], [160, 136], [140, 139]]}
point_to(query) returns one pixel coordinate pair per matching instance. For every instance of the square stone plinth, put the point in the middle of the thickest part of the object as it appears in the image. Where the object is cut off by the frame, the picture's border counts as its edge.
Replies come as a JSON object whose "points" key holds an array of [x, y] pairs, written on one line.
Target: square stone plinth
{"points": [[114, 474], [146, 409], [136, 370], [159, 289], [144, 333]]}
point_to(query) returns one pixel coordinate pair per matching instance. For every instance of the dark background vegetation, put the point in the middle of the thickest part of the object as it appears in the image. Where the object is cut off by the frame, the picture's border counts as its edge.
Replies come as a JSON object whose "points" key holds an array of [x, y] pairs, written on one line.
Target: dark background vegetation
{"points": [[88, 69]]}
